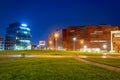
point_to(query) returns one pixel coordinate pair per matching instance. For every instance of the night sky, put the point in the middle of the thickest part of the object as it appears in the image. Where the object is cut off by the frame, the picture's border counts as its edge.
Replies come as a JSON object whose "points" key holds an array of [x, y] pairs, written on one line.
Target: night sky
{"points": [[45, 16]]}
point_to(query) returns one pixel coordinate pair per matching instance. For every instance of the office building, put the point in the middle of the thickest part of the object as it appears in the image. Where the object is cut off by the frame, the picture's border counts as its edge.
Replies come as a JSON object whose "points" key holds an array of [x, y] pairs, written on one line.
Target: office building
{"points": [[1, 43], [18, 37]]}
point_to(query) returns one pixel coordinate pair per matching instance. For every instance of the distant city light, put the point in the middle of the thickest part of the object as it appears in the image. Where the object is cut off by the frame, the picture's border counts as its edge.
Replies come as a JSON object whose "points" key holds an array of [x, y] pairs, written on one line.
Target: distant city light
{"points": [[24, 25]]}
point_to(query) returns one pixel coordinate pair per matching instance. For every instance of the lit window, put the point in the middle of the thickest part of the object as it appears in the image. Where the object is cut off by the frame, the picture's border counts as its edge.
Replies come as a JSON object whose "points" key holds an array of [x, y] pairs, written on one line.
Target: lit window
{"points": [[24, 25], [25, 32]]}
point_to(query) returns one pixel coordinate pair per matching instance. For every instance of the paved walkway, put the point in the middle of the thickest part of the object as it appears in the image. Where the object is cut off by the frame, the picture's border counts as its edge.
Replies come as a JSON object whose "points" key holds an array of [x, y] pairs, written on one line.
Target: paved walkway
{"points": [[96, 64], [55, 56]]}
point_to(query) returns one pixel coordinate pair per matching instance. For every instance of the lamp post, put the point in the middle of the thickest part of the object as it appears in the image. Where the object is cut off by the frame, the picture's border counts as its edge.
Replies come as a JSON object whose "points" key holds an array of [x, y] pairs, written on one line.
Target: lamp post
{"points": [[104, 46], [112, 32], [74, 39], [81, 41], [50, 43], [56, 37], [81, 44], [85, 48]]}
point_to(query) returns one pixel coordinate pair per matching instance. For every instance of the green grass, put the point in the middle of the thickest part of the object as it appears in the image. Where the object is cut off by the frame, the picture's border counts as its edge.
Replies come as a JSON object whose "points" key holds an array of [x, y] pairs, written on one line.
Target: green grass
{"points": [[113, 54], [34, 52], [53, 52], [6, 58], [53, 69], [50, 52], [108, 61]]}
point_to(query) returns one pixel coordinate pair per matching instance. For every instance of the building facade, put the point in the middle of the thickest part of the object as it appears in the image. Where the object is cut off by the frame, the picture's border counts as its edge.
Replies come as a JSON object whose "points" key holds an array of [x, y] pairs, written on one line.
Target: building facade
{"points": [[18, 37], [89, 38], [1, 43]]}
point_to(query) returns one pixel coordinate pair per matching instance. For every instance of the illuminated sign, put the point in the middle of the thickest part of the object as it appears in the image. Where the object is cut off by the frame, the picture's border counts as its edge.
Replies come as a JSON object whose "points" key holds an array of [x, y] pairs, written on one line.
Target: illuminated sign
{"points": [[42, 43]]}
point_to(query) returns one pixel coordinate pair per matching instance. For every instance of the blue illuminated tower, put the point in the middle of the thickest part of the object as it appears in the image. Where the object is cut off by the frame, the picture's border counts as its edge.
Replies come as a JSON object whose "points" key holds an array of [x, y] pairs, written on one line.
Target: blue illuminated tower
{"points": [[18, 37]]}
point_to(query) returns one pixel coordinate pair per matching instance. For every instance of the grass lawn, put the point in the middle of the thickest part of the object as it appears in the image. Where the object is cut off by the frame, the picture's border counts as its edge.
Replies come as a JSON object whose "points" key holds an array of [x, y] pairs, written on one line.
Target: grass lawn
{"points": [[50, 52], [6, 58], [108, 61], [53, 69], [42, 52]]}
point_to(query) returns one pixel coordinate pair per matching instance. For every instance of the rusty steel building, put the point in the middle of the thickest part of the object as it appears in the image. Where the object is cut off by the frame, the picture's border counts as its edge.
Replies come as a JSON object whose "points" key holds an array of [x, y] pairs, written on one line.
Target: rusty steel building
{"points": [[88, 38]]}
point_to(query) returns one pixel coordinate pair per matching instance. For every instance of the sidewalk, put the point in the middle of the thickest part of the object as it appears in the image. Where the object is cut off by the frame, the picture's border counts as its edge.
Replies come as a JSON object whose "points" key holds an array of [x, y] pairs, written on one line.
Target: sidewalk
{"points": [[96, 64]]}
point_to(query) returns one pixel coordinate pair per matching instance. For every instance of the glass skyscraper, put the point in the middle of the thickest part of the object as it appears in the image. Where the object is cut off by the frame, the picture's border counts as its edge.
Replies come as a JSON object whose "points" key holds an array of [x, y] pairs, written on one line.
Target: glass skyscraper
{"points": [[18, 37]]}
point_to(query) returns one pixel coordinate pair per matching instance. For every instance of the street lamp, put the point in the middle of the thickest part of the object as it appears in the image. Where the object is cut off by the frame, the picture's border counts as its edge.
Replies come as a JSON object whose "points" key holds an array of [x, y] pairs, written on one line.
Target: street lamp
{"points": [[50, 43], [104, 46], [81, 44], [74, 39], [81, 41], [56, 37], [85, 48]]}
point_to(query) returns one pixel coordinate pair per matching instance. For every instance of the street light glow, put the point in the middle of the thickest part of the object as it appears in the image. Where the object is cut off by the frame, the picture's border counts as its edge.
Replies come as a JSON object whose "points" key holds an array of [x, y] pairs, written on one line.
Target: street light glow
{"points": [[56, 35], [104, 46], [85, 46], [81, 41], [74, 39], [50, 42]]}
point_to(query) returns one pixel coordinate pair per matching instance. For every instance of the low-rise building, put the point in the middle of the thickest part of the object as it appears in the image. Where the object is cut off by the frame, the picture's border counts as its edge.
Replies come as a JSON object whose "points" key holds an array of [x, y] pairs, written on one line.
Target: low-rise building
{"points": [[88, 38]]}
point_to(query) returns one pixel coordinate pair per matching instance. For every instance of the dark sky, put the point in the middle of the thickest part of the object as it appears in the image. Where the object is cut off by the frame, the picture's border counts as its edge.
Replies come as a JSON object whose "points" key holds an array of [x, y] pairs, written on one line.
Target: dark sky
{"points": [[45, 16]]}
